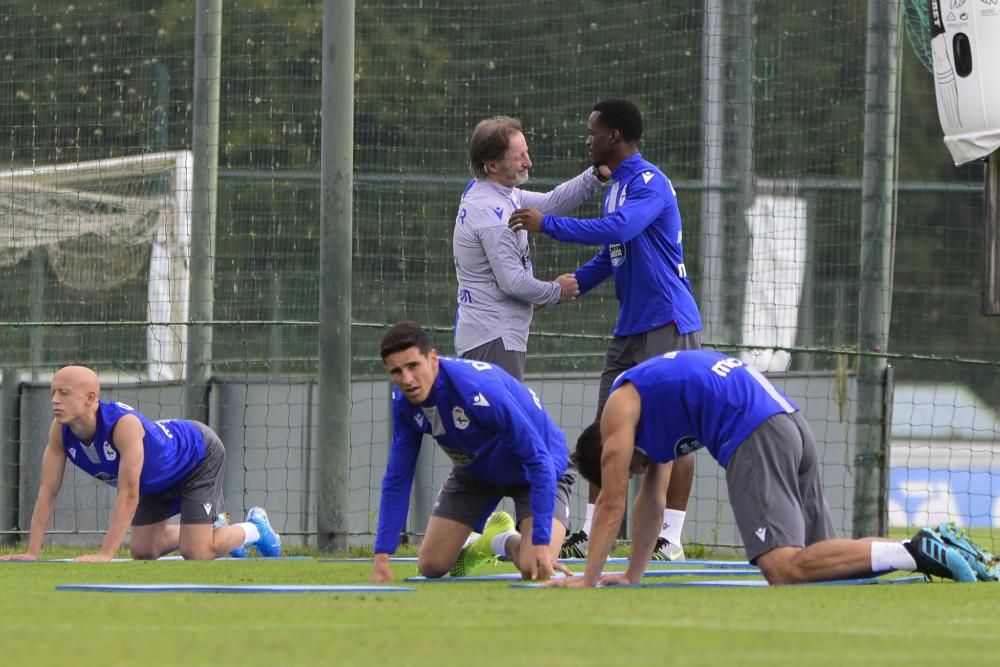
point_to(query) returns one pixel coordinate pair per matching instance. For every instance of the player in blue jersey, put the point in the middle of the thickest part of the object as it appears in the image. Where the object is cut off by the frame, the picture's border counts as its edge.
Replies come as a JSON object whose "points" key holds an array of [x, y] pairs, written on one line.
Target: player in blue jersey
{"points": [[502, 444], [160, 469], [640, 238], [682, 401]]}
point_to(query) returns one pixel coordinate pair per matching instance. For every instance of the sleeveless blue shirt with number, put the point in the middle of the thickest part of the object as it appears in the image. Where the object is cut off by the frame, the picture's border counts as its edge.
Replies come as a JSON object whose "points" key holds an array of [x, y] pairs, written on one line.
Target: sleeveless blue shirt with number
{"points": [[698, 398], [171, 449]]}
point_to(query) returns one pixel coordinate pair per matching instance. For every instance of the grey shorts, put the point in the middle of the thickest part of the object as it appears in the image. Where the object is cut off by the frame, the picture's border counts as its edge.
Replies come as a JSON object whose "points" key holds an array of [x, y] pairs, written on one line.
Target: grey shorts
{"points": [[470, 501], [624, 352], [495, 353], [202, 486], [775, 489]]}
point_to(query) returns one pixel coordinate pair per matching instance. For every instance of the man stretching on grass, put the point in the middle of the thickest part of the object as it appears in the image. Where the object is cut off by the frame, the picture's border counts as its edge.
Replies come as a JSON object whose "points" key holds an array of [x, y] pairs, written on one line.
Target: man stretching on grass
{"points": [[502, 444], [160, 469], [685, 400]]}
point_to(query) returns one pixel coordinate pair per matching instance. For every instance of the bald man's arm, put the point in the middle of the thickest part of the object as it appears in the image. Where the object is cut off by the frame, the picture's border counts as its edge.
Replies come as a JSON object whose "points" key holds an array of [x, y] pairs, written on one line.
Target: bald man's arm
{"points": [[127, 439]]}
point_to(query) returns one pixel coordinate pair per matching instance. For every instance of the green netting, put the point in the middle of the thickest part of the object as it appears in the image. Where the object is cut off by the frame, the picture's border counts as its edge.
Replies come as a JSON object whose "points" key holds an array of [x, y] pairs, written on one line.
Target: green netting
{"points": [[114, 78], [917, 24]]}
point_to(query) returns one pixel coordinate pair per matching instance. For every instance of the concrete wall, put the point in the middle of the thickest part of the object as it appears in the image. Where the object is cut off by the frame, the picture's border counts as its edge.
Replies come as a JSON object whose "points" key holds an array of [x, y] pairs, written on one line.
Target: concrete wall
{"points": [[273, 446]]}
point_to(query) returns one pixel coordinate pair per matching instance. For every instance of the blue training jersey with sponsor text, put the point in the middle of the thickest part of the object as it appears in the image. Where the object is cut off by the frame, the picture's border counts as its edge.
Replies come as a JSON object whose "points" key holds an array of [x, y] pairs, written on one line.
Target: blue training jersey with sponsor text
{"points": [[171, 449], [488, 424], [696, 398], [640, 232]]}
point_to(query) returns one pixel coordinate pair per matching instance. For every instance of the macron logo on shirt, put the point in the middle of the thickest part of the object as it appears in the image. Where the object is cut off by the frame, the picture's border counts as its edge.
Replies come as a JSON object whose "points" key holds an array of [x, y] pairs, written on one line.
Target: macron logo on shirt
{"points": [[647, 176], [480, 400]]}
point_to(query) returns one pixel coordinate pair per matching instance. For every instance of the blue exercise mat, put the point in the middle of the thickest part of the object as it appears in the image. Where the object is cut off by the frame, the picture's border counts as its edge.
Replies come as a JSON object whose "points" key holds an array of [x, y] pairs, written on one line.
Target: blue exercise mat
{"points": [[702, 572], [218, 588], [62, 560], [751, 583], [516, 576], [402, 559], [579, 561], [500, 576], [253, 558]]}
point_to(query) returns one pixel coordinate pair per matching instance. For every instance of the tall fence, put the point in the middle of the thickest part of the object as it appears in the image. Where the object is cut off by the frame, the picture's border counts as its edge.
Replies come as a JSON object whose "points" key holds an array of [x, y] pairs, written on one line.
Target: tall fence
{"points": [[759, 112]]}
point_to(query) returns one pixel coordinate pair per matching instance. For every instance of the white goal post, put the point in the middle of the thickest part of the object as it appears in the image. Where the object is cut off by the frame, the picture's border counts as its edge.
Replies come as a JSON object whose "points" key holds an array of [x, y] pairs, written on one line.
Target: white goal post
{"points": [[95, 217]]}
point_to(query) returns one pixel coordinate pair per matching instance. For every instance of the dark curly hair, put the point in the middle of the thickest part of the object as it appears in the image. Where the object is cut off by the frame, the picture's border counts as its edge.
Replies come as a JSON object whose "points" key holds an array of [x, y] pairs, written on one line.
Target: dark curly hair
{"points": [[587, 456], [622, 115]]}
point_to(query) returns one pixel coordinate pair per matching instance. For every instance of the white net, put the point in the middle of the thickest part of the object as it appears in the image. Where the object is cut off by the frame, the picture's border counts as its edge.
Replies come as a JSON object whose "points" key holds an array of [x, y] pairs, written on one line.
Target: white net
{"points": [[102, 223]]}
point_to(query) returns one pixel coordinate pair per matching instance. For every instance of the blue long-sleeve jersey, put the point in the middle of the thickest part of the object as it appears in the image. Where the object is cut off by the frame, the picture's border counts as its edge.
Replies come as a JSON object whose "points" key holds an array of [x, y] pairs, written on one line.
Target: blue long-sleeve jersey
{"points": [[171, 449], [695, 398], [640, 232], [490, 425]]}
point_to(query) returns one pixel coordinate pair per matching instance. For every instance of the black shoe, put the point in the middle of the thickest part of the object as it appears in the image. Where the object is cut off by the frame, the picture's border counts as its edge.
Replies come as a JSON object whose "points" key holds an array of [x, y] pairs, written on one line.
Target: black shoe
{"points": [[936, 558], [574, 546]]}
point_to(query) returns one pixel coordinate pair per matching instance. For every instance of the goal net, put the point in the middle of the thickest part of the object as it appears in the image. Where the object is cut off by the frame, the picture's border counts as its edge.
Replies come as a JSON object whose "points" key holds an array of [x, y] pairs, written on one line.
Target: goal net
{"points": [[71, 235]]}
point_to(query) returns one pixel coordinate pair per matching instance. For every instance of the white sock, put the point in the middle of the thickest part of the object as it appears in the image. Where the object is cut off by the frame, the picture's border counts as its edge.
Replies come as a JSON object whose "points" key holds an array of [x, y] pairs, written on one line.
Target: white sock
{"points": [[250, 532], [589, 520], [473, 536], [499, 543], [673, 522], [891, 556]]}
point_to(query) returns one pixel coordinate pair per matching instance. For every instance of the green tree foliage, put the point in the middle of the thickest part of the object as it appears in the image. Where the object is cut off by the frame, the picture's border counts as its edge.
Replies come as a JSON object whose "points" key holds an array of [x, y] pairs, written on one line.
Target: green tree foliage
{"points": [[80, 80]]}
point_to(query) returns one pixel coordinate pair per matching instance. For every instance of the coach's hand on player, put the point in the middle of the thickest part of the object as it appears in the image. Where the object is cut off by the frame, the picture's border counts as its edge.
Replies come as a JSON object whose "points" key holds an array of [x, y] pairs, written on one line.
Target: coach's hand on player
{"points": [[528, 219], [381, 572], [570, 289]]}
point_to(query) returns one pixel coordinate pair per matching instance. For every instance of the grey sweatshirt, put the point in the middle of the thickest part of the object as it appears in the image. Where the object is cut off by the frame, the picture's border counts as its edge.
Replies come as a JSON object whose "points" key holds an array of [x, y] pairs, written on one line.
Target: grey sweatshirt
{"points": [[496, 284]]}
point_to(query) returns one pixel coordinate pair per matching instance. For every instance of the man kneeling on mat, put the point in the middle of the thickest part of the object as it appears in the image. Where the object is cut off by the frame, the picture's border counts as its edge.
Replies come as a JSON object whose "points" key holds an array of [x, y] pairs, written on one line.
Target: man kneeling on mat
{"points": [[160, 469], [679, 402], [502, 444]]}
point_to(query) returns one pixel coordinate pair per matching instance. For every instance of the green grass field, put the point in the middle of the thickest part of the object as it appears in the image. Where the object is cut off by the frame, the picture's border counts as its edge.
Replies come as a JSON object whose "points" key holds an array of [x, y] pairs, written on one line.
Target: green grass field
{"points": [[474, 624]]}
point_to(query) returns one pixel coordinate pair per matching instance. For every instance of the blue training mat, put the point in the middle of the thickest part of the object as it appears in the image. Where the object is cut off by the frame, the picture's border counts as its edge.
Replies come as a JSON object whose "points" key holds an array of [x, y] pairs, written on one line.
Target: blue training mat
{"points": [[701, 572], [217, 588], [500, 576], [516, 576], [669, 563], [752, 583], [62, 560], [581, 561]]}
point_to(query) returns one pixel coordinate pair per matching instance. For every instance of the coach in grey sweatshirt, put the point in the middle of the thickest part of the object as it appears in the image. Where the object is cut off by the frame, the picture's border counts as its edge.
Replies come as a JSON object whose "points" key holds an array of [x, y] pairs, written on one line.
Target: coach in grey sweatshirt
{"points": [[497, 289]]}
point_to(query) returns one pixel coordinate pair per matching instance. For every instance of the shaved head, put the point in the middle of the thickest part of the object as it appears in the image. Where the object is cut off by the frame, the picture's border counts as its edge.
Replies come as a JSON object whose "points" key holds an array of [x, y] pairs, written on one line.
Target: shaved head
{"points": [[79, 377], [76, 397]]}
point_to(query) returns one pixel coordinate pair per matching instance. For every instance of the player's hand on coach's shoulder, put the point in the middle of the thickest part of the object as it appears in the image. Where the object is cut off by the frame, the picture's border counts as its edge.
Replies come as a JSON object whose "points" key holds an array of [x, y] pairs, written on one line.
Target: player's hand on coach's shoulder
{"points": [[570, 288], [528, 219]]}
